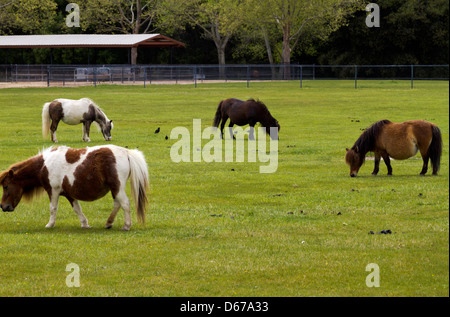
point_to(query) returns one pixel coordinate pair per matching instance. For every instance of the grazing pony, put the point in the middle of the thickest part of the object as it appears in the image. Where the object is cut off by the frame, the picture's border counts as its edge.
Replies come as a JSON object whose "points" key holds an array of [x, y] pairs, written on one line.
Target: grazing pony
{"points": [[79, 174], [399, 141], [244, 112], [74, 112]]}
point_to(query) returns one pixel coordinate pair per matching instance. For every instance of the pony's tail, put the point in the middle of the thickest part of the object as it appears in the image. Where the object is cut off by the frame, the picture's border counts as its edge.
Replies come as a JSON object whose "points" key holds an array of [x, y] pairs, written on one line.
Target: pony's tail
{"points": [[45, 120], [139, 182], [435, 149], [218, 115]]}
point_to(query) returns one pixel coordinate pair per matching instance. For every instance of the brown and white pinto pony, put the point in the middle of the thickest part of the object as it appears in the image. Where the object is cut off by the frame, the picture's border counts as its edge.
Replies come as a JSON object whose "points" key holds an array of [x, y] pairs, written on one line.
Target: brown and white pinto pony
{"points": [[245, 112], [79, 174], [399, 141], [74, 112]]}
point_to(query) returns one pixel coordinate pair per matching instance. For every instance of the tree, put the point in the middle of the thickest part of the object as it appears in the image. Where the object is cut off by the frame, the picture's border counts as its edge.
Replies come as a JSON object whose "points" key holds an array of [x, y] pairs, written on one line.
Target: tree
{"points": [[299, 18], [26, 16], [410, 32], [122, 16], [218, 19]]}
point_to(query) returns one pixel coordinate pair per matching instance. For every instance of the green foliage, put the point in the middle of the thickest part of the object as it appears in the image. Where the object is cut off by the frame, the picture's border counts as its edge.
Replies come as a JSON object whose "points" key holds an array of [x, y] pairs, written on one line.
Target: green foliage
{"points": [[276, 31], [224, 229]]}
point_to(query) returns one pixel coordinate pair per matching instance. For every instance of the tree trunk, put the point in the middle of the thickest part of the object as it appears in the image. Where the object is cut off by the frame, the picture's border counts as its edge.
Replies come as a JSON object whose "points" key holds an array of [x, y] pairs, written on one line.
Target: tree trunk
{"points": [[269, 52], [286, 52], [134, 54]]}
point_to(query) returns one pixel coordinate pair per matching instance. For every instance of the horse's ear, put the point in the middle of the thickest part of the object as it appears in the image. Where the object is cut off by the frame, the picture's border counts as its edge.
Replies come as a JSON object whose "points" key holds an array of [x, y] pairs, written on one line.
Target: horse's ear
{"points": [[11, 173], [356, 149], [347, 149]]}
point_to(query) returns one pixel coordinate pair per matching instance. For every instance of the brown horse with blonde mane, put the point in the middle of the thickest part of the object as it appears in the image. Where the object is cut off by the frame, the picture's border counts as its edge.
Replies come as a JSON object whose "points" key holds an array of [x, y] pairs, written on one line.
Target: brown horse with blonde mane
{"points": [[399, 141], [244, 112]]}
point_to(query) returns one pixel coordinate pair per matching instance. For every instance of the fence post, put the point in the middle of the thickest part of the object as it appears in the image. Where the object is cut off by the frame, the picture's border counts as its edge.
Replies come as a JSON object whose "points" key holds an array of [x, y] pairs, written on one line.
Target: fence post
{"points": [[248, 74], [144, 76], [48, 76], [412, 76], [356, 76], [195, 76], [95, 77], [301, 76]]}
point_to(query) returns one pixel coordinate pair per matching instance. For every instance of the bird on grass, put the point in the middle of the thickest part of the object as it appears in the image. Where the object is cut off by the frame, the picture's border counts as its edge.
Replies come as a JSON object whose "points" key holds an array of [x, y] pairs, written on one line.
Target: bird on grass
{"points": [[157, 130]]}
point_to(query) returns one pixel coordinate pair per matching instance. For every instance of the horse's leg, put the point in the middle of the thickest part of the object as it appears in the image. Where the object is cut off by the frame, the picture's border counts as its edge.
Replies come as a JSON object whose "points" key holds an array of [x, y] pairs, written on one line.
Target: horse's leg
{"points": [[53, 128], [377, 163], [53, 209], [425, 158], [387, 161], [222, 124], [77, 208], [230, 127], [251, 135], [124, 202], [113, 214], [86, 129]]}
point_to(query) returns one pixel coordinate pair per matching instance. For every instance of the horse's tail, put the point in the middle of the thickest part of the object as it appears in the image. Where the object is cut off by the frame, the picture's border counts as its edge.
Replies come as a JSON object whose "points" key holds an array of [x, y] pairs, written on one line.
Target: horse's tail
{"points": [[218, 115], [45, 120], [139, 182], [435, 149]]}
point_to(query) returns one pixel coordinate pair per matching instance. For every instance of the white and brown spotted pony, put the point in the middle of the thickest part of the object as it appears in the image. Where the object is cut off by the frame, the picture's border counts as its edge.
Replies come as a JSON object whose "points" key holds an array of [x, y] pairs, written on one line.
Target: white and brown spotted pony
{"points": [[74, 112], [79, 174]]}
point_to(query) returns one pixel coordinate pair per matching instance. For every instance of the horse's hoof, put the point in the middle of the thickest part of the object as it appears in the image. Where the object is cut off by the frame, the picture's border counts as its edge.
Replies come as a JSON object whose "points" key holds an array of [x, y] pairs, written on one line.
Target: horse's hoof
{"points": [[49, 225], [126, 228], [85, 226], [108, 226]]}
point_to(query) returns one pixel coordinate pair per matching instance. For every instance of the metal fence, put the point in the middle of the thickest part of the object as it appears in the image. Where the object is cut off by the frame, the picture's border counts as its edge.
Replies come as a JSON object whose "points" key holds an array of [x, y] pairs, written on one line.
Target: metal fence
{"points": [[75, 75]]}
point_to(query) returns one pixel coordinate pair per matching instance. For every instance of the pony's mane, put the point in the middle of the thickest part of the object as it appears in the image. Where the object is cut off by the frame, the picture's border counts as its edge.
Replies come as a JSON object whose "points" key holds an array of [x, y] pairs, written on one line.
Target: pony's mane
{"points": [[89, 100], [366, 141], [269, 117], [29, 193], [260, 103]]}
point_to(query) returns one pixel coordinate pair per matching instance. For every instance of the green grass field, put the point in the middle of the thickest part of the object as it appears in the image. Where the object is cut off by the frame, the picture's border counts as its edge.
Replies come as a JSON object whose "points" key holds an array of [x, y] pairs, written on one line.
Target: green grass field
{"points": [[224, 229]]}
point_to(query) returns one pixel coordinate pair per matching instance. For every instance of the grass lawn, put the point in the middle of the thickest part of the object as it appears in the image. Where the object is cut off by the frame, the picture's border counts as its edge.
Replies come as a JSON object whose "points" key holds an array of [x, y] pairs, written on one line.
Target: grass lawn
{"points": [[224, 229]]}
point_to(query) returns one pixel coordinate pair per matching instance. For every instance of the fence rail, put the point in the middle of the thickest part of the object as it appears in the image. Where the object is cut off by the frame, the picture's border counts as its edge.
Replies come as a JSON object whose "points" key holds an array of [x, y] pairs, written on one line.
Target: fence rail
{"points": [[150, 74]]}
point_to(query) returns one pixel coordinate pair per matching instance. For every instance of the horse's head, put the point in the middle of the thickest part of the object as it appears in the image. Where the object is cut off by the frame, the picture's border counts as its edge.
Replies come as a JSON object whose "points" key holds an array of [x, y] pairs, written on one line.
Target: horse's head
{"points": [[354, 158], [12, 191], [274, 124], [106, 129]]}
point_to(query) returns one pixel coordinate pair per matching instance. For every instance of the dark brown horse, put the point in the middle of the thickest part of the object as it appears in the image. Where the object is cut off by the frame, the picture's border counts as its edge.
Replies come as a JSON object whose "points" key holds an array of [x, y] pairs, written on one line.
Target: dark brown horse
{"points": [[399, 141], [244, 112]]}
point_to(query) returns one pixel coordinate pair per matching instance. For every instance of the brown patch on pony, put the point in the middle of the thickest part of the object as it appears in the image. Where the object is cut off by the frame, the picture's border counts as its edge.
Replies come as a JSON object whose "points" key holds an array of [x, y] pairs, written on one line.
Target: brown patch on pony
{"points": [[73, 155], [55, 110], [94, 178]]}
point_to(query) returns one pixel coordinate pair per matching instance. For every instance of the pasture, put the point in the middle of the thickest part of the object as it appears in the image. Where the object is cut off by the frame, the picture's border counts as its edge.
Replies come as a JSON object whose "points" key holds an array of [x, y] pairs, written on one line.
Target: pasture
{"points": [[224, 229]]}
